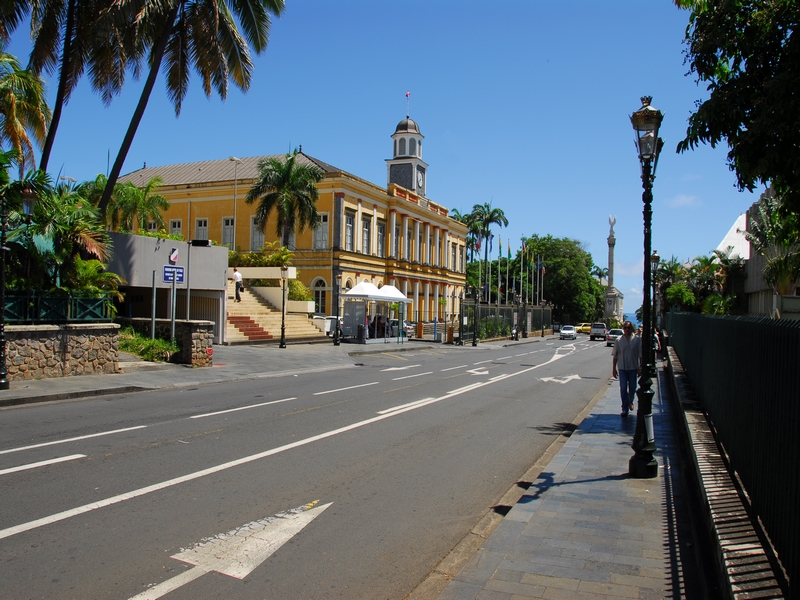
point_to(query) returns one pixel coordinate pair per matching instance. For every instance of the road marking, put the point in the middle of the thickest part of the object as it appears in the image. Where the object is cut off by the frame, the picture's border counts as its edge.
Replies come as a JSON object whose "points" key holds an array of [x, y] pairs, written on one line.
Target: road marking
{"points": [[561, 380], [237, 553], [483, 361], [410, 376], [399, 368], [453, 368], [79, 510], [396, 408], [478, 371], [75, 439], [230, 410], [504, 358], [43, 463], [352, 387]]}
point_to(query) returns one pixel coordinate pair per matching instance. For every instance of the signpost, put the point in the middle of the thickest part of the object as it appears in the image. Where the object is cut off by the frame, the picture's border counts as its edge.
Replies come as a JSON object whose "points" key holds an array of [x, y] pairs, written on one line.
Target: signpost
{"points": [[174, 274]]}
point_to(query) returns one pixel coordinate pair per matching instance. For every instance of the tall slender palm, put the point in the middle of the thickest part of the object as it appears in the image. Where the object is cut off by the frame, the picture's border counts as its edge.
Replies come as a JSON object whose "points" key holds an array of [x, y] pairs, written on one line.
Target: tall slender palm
{"points": [[290, 189], [484, 216], [23, 109], [132, 207], [186, 33], [473, 231]]}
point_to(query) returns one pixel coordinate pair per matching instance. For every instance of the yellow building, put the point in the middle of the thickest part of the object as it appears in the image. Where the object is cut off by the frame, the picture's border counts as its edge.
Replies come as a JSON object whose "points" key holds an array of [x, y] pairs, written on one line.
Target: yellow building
{"points": [[385, 235]]}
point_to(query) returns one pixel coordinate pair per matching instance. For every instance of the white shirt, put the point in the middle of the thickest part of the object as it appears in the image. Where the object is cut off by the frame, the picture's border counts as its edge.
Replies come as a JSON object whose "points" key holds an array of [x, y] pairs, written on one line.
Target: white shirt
{"points": [[237, 277], [627, 352]]}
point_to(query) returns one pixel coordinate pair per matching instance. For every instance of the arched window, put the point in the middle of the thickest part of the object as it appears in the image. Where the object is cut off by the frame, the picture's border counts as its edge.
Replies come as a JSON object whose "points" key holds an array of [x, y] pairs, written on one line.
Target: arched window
{"points": [[419, 149], [320, 297], [412, 147], [402, 147], [395, 147]]}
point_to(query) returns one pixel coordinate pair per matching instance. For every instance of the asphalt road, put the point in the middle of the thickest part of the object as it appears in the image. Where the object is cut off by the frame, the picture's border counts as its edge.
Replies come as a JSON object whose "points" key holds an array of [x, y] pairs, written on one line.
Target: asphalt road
{"points": [[386, 464]]}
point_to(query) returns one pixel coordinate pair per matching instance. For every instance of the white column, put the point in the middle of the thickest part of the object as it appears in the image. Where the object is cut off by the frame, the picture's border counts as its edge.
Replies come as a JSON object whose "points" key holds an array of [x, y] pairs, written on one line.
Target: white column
{"points": [[415, 241], [416, 299], [427, 244], [404, 241], [427, 309], [437, 260], [358, 233], [447, 249], [373, 237], [392, 225], [435, 300]]}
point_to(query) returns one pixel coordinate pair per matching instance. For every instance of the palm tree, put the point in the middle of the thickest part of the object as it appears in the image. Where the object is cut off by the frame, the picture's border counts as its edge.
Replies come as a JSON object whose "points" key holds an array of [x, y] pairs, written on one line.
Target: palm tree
{"points": [[599, 272], [131, 207], [290, 189], [202, 32], [473, 233], [23, 110], [484, 216]]}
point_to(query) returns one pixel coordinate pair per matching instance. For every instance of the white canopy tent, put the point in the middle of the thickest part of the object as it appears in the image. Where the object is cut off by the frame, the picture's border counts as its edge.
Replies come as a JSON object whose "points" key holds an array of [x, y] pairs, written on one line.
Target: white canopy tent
{"points": [[357, 305]]}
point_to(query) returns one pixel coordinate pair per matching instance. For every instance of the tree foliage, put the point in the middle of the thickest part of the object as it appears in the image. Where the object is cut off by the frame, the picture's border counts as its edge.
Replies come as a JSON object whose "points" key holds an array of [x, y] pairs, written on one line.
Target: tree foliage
{"points": [[747, 53]]}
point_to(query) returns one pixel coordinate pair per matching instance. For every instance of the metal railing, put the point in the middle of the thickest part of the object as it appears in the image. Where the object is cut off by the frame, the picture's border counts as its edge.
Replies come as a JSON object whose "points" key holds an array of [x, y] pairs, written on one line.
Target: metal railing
{"points": [[499, 321], [746, 372], [35, 309]]}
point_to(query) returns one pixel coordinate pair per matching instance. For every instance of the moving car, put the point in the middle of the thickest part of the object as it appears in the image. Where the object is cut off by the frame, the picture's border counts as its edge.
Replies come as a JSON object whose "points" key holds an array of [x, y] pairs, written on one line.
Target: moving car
{"points": [[583, 327], [568, 333], [613, 335], [598, 331], [408, 329]]}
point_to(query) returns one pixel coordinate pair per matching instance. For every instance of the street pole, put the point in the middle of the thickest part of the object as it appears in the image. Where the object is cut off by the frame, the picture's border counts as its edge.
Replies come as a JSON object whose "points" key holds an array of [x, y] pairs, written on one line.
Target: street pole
{"points": [[461, 319], [336, 340], [646, 122], [475, 319], [284, 272], [236, 163], [655, 259], [4, 383]]}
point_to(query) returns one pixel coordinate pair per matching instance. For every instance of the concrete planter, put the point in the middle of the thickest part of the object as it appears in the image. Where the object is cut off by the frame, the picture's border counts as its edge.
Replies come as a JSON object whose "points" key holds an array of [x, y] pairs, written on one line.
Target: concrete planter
{"points": [[273, 296]]}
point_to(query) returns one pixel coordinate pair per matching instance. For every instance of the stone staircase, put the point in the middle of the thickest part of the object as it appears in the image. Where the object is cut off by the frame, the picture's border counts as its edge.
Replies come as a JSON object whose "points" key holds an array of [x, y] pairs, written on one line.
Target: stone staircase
{"points": [[254, 319]]}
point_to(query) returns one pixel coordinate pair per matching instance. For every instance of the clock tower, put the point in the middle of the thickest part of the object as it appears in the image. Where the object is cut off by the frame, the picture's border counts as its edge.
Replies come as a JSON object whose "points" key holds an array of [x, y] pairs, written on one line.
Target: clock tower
{"points": [[406, 167]]}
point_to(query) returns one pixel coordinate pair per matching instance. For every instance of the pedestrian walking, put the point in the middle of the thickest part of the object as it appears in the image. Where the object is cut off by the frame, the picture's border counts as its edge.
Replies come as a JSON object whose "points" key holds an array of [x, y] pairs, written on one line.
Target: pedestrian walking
{"points": [[627, 364], [237, 283]]}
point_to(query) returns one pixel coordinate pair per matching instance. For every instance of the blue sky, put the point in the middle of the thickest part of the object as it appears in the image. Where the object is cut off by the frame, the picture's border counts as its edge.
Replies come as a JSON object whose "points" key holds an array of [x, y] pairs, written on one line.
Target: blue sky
{"points": [[522, 103]]}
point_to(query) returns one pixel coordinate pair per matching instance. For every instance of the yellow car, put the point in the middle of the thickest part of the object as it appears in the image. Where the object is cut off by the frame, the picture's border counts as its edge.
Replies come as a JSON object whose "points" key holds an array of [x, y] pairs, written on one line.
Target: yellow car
{"points": [[584, 328]]}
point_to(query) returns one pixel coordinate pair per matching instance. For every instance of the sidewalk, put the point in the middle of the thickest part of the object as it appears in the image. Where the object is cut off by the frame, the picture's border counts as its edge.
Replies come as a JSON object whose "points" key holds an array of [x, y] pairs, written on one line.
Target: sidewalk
{"points": [[585, 529]]}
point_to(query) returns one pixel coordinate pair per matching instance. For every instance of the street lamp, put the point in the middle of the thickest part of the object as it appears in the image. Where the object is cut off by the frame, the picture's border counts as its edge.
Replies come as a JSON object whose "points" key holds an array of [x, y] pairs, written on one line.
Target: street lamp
{"points": [[646, 122], [655, 260], [336, 341], [28, 197], [461, 319], [236, 163], [284, 273]]}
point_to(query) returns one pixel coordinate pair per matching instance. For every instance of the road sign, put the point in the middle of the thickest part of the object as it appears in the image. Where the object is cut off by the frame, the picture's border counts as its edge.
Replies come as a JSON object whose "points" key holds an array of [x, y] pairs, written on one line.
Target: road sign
{"points": [[173, 272], [173, 256]]}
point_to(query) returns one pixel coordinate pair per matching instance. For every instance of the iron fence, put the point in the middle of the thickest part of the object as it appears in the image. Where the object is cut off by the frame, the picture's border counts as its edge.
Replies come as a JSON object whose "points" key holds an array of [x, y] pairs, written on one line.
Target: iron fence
{"points": [[746, 371], [500, 321], [34, 309]]}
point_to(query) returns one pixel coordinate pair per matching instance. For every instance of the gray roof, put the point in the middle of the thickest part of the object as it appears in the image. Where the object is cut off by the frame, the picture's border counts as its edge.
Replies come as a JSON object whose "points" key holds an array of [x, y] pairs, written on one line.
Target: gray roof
{"points": [[212, 171]]}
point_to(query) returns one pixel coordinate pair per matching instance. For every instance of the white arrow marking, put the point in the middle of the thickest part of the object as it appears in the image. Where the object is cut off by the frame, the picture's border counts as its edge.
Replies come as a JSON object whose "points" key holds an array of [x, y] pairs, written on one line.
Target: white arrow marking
{"points": [[238, 552], [478, 371], [561, 380], [400, 368]]}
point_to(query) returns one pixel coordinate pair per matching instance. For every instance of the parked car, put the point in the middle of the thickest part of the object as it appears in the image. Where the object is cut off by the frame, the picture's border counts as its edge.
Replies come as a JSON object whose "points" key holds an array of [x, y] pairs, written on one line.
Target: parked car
{"points": [[568, 333], [408, 329], [330, 327], [583, 327], [613, 336], [598, 331]]}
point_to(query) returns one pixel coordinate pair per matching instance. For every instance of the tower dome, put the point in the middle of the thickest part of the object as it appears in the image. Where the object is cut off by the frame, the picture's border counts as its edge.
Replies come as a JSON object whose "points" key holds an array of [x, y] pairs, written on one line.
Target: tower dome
{"points": [[407, 125]]}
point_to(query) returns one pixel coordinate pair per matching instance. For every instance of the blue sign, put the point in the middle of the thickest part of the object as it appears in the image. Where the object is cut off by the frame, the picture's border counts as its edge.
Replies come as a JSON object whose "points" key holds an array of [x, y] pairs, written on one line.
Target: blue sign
{"points": [[173, 272]]}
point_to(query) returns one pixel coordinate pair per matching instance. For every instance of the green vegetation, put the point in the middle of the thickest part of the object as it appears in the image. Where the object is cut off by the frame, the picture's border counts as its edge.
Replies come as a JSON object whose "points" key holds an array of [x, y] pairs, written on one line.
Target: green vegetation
{"points": [[156, 350]]}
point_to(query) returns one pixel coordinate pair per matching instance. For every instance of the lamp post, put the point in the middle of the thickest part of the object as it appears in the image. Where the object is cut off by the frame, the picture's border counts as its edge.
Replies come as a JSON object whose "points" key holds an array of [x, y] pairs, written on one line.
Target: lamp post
{"points": [[284, 273], [28, 201], [461, 319], [236, 163], [475, 318], [646, 122], [655, 259], [336, 341]]}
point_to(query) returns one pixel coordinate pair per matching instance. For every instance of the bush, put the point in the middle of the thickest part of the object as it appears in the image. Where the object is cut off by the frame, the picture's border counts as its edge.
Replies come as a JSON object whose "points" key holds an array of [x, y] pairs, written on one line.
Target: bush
{"points": [[156, 350]]}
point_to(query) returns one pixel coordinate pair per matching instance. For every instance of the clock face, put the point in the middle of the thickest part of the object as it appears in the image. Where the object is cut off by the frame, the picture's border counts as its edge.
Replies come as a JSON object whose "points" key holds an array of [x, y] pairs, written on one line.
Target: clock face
{"points": [[420, 178]]}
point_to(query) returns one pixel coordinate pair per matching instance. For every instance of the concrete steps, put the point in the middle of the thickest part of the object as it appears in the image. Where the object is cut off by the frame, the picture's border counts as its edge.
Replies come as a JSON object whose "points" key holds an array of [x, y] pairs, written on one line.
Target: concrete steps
{"points": [[254, 319]]}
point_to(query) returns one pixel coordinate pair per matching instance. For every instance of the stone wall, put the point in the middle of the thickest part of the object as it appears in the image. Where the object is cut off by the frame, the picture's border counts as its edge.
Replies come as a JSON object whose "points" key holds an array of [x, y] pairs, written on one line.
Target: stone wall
{"points": [[40, 351], [194, 339]]}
